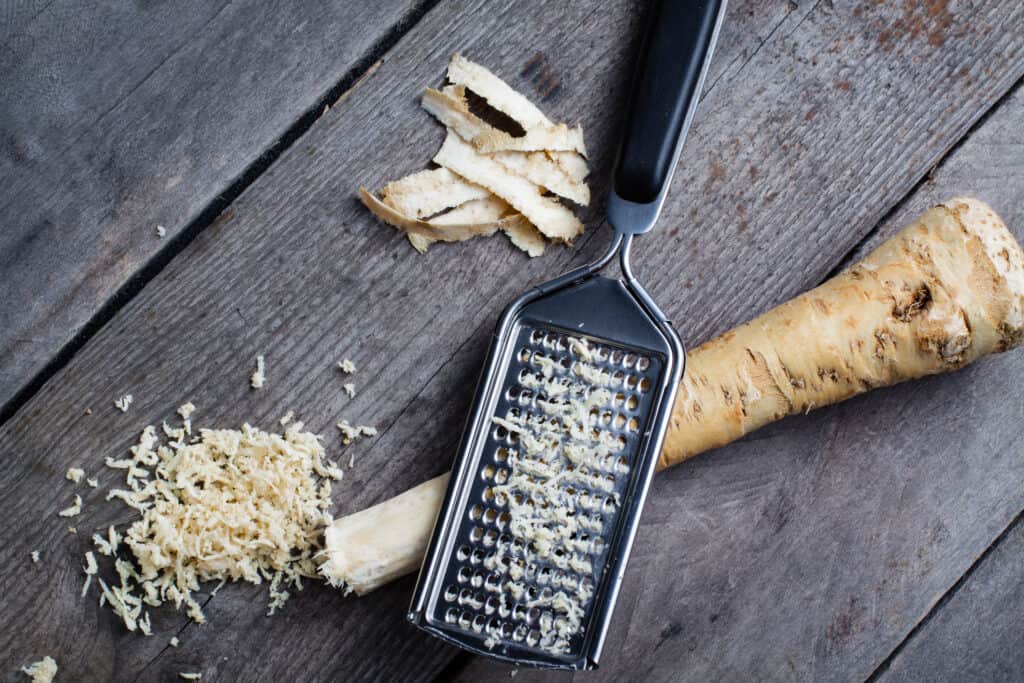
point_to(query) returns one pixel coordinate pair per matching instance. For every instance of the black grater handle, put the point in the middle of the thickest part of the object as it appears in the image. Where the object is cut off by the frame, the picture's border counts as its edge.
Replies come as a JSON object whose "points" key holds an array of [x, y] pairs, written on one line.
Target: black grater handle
{"points": [[666, 86]]}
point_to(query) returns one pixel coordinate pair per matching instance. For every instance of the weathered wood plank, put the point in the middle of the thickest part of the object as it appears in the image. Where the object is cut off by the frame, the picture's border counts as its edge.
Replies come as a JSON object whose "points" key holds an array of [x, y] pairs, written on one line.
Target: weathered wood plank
{"points": [[977, 634], [298, 271], [119, 117]]}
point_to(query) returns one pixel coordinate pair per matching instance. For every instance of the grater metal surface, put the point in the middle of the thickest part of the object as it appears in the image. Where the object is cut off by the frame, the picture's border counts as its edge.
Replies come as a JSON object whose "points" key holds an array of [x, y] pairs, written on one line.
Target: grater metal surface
{"points": [[571, 411], [500, 588]]}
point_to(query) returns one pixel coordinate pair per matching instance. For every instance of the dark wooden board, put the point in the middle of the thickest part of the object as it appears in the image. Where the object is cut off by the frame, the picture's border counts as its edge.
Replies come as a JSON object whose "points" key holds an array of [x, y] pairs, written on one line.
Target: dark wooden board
{"points": [[118, 117], [978, 635], [298, 271]]}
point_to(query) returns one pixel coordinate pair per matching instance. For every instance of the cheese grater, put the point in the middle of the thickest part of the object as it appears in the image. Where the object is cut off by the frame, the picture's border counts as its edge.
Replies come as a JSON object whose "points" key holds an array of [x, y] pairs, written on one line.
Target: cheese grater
{"points": [[571, 410]]}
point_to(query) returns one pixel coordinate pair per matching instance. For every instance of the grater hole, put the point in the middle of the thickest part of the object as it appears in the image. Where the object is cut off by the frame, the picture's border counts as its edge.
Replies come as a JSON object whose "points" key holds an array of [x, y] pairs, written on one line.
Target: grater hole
{"points": [[463, 553], [450, 593], [519, 634], [465, 620], [537, 337], [619, 399], [477, 557], [464, 575], [546, 621], [617, 378], [493, 582], [642, 363], [533, 637], [631, 382], [490, 538], [633, 425], [476, 534], [616, 357], [533, 615], [490, 515], [622, 465], [487, 473], [506, 631], [478, 623], [609, 505], [620, 421], [632, 403], [488, 495], [477, 580], [645, 385], [503, 610], [503, 519], [629, 360], [451, 615], [476, 512], [501, 476], [501, 455], [602, 353]]}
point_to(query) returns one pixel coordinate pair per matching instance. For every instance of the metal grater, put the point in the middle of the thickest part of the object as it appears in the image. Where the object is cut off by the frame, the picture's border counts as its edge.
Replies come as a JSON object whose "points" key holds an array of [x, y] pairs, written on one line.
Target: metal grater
{"points": [[571, 411]]}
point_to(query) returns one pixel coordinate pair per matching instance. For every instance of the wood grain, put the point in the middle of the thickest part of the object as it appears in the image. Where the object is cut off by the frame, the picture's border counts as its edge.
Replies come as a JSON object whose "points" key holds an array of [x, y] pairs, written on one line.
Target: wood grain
{"points": [[119, 117], [976, 636], [298, 271]]}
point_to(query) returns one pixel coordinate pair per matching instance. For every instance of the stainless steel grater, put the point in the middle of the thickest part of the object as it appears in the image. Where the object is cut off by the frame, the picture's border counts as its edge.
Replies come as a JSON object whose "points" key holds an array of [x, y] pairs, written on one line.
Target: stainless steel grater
{"points": [[571, 410]]}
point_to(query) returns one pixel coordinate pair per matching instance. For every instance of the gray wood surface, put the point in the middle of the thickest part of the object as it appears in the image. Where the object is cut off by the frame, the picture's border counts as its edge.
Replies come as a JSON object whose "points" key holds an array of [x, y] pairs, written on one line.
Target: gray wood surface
{"points": [[978, 635], [806, 551], [118, 117]]}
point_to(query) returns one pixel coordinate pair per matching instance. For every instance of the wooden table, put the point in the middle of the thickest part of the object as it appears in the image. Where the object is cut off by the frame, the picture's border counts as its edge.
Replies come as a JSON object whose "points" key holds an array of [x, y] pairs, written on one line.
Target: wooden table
{"points": [[881, 539]]}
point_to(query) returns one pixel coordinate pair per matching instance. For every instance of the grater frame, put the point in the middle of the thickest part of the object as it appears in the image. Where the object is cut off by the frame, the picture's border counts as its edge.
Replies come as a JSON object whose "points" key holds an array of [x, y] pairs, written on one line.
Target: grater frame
{"points": [[593, 296]]}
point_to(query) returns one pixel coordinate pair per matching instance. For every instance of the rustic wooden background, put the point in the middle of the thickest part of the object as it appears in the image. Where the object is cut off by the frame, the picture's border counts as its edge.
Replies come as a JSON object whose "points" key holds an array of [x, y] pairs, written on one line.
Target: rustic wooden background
{"points": [[880, 539]]}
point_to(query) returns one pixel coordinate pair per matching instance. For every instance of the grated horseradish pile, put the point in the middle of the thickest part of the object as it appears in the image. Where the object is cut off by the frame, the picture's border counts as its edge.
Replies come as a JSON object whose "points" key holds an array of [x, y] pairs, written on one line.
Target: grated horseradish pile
{"points": [[229, 505]]}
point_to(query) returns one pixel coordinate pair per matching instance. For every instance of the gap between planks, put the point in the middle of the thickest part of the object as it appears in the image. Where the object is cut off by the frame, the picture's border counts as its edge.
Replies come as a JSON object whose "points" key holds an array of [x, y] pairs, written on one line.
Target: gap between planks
{"points": [[855, 252], [220, 208], [883, 667]]}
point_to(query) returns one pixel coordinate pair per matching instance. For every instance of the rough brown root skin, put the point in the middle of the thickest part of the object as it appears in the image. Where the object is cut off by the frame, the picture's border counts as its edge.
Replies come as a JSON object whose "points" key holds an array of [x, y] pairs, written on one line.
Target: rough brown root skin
{"points": [[945, 291], [942, 293]]}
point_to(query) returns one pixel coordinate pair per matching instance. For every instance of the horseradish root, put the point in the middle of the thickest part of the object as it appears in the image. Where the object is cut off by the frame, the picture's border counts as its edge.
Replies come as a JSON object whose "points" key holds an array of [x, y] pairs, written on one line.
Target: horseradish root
{"points": [[944, 292], [380, 544]]}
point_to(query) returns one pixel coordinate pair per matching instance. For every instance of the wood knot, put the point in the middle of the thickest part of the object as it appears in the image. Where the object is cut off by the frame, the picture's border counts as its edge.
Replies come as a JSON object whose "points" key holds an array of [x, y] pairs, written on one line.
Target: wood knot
{"points": [[543, 77]]}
